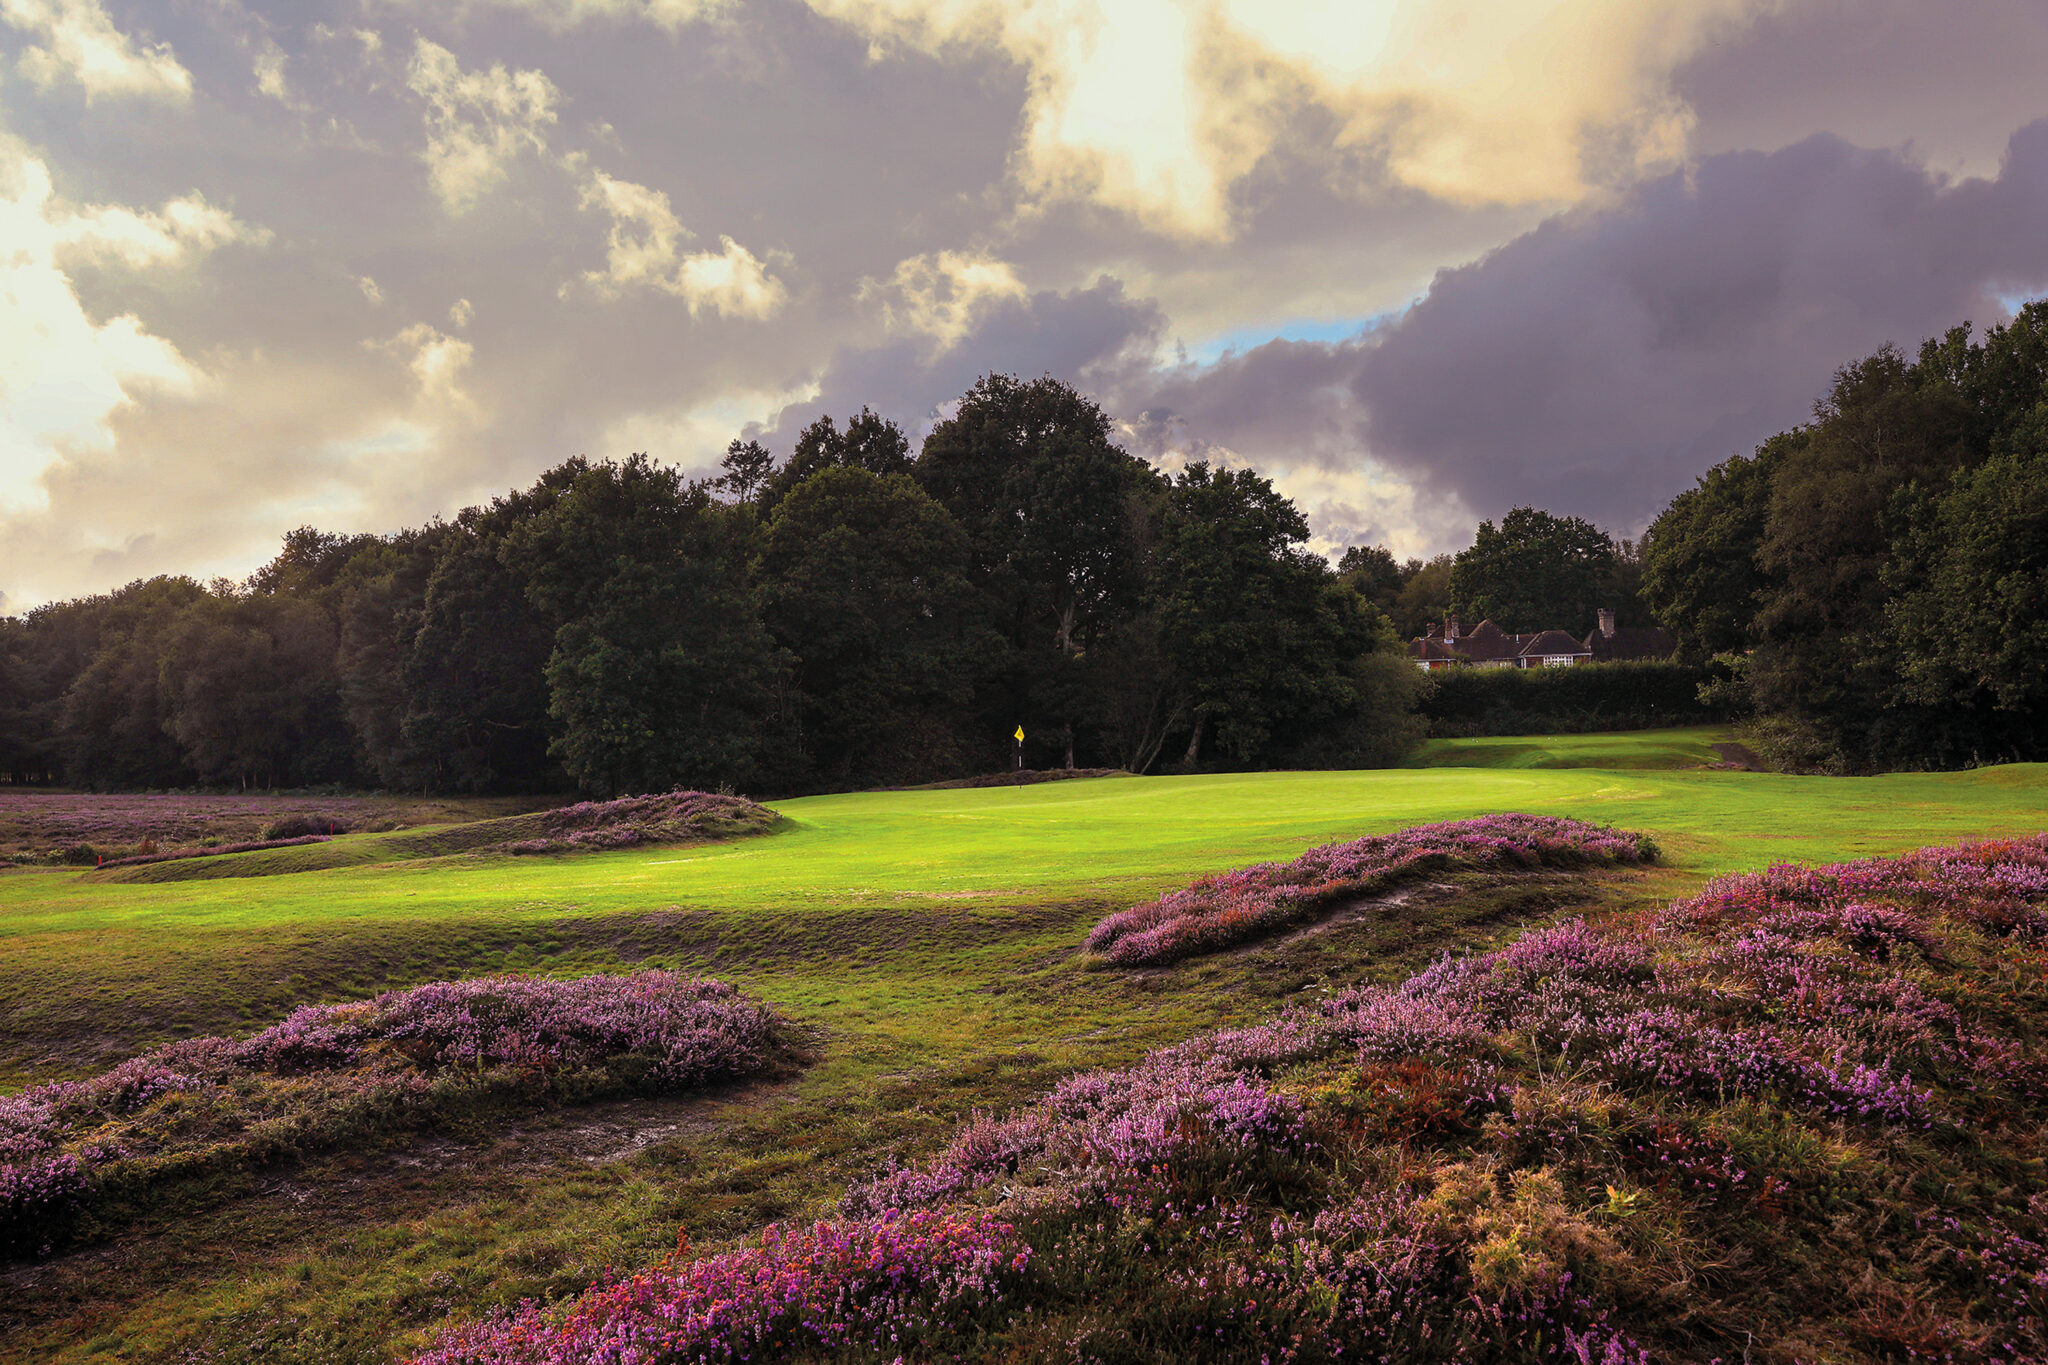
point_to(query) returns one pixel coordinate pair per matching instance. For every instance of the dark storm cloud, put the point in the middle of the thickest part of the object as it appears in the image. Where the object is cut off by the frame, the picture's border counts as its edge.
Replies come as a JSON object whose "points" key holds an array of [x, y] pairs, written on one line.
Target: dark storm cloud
{"points": [[1598, 363], [1949, 80]]}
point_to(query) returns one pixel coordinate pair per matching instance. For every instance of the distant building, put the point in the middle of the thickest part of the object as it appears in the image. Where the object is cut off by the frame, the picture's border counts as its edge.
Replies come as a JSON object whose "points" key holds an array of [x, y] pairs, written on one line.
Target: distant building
{"points": [[1486, 645]]}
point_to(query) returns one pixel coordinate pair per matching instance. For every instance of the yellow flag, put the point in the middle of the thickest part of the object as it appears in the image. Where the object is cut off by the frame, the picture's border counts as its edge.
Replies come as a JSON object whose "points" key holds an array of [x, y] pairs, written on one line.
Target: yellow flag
{"points": [[1020, 734]]}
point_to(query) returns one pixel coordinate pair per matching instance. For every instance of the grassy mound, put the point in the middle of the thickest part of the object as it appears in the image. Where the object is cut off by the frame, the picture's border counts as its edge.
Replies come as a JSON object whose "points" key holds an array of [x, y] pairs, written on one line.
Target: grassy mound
{"points": [[333, 1074], [1234, 907], [1794, 1117], [670, 818]]}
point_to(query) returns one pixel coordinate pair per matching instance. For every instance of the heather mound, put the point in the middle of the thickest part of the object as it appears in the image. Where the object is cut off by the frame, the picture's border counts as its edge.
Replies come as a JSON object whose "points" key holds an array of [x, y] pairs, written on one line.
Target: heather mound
{"points": [[1227, 908], [1794, 1117], [334, 1074], [670, 818]]}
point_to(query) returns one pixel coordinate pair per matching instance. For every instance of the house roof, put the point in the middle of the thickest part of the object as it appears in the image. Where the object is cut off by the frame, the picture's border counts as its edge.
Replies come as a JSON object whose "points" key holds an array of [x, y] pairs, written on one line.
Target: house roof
{"points": [[1488, 643], [1551, 642]]}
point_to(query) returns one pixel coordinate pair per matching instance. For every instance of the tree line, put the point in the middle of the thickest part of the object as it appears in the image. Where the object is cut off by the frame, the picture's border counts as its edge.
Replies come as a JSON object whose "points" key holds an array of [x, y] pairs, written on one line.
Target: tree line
{"points": [[1881, 572], [1534, 571], [854, 616], [1873, 583]]}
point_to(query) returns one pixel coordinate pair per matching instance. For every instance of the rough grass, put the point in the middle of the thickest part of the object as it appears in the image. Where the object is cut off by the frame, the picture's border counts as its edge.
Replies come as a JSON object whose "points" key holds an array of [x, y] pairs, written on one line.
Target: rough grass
{"points": [[928, 940]]}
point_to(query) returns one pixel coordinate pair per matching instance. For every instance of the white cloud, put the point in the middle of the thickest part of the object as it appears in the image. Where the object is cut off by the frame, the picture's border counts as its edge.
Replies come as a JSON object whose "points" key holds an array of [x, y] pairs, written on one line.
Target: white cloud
{"points": [[644, 251], [941, 294], [695, 436], [63, 375], [372, 290], [437, 363], [461, 314], [78, 42], [270, 79], [1159, 108], [478, 122], [182, 231], [562, 14]]}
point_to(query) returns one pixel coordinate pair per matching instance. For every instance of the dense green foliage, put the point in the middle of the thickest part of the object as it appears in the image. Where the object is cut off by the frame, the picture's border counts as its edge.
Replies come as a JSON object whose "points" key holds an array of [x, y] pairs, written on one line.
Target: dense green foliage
{"points": [[1884, 563], [1536, 572], [854, 617]]}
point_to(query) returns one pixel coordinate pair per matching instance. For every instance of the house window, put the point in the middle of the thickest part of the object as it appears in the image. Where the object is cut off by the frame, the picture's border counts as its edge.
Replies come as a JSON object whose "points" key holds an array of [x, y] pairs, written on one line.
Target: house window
{"points": [[1557, 660]]}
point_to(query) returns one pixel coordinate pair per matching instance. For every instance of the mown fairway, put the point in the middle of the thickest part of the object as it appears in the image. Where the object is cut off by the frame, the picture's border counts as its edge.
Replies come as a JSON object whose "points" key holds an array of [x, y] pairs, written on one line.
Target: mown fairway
{"points": [[925, 938]]}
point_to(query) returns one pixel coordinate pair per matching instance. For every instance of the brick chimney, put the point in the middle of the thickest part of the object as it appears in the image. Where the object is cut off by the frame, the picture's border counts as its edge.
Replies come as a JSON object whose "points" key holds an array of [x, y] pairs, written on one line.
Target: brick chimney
{"points": [[1451, 630], [1606, 622]]}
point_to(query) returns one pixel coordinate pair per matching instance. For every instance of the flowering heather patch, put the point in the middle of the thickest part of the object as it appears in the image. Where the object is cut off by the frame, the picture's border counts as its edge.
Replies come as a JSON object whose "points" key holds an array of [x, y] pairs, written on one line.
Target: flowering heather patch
{"points": [[1231, 907], [1793, 1118], [330, 1073], [891, 1287]]}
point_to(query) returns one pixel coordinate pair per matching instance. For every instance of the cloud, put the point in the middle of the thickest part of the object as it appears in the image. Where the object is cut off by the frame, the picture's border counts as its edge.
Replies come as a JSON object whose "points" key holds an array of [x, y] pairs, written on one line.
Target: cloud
{"points": [[182, 231], [941, 294], [1087, 336], [1599, 363], [565, 14], [1161, 108], [478, 122], [877, 201], [437, 362], [62, 374], [79, 43], [1596, 364], [268, 65], [644, 251]]}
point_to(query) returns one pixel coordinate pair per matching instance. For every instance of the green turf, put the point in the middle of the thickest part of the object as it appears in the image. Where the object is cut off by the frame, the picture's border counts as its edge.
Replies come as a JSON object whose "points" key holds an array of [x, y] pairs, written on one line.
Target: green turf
{"points": [[925, 937]]}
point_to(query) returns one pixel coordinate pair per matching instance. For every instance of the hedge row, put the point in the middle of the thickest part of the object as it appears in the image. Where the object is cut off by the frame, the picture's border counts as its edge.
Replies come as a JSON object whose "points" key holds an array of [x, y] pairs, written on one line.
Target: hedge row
{"points": [[1467, 701]]}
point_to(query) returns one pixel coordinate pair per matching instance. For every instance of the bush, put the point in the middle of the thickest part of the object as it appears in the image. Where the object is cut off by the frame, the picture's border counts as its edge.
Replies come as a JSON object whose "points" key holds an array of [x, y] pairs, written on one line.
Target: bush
{"points": [[1469, 702]]}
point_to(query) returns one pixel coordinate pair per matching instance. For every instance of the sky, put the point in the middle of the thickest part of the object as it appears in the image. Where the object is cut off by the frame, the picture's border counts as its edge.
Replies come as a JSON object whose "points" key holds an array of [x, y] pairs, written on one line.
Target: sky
{"points": [[360, 263]]}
